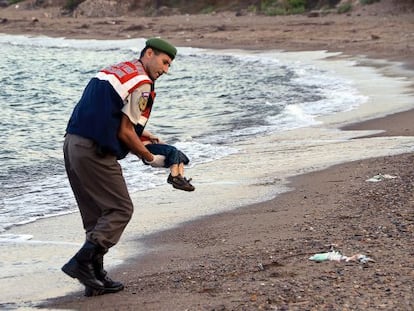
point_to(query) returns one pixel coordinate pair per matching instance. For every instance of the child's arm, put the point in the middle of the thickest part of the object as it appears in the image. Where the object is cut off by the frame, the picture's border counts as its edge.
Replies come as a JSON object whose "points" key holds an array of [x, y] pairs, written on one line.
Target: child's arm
{"points": [[154, 139]]}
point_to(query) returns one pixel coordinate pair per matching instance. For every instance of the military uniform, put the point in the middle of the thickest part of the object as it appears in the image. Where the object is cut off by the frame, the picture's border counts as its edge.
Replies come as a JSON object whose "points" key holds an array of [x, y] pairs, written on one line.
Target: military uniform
{"points": [[91, 150]]}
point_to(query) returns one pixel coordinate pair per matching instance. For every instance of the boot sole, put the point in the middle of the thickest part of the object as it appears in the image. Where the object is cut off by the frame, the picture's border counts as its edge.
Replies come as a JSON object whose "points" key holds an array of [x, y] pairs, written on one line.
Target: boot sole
{"points": [[89, 291], [183, 188], [74, 273]]}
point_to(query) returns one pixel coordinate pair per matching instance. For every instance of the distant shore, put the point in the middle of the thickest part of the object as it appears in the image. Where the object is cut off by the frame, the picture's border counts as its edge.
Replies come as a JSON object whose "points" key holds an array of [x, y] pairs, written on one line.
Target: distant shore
{"points": [[368, 31]]}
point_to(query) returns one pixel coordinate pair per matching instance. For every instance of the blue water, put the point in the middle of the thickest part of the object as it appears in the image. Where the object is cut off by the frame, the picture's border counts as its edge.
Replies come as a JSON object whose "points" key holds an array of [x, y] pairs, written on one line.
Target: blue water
{"points": [[208, 99]]}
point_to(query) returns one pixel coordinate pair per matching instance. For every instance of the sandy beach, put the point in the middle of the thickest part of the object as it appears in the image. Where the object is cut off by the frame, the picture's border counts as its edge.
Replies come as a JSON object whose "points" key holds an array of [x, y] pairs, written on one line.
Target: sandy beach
{"points": [[256, 257]]}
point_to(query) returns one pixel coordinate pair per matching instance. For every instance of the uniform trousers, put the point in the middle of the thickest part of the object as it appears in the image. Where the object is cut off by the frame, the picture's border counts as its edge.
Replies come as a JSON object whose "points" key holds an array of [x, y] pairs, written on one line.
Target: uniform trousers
{"points": [[100, 190]]}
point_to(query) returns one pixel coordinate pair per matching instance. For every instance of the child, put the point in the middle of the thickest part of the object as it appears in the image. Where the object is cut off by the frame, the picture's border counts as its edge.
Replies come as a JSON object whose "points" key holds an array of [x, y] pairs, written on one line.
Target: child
{"points": [[174, 159]]}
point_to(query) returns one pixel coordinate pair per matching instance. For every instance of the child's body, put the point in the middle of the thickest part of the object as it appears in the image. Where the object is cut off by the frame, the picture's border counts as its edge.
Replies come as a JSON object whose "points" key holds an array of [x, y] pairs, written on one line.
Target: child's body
{"points": [[174, 160]]}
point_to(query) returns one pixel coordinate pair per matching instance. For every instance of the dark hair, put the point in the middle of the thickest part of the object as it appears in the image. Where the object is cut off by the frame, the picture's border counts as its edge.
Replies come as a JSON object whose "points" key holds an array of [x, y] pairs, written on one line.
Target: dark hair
{"points": [[156, 52]]}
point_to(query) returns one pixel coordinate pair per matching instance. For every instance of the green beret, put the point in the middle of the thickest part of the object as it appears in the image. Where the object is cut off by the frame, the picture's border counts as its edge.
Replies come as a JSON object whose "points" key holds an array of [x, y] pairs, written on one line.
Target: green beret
{"points": [[162, 46]]}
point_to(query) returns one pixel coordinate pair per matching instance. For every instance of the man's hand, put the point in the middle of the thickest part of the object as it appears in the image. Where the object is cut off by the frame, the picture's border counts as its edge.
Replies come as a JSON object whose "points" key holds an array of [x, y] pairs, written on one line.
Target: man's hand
{"points": [[158, 161], [154, 139]]}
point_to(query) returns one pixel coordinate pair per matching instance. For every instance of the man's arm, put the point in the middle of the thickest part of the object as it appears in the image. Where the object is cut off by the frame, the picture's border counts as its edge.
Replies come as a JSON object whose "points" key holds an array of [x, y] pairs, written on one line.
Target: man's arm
{"points": [[130, 138]]}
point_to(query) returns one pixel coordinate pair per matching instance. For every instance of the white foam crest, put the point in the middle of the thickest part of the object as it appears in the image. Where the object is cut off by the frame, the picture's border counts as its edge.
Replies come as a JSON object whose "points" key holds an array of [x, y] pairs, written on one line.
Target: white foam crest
{"points": [[293, 116], [134, 44], [61, 42], [237, 135], [11, 238], [340, 94], [23, 219], [204, 152], [244, 56], [14, 238]]}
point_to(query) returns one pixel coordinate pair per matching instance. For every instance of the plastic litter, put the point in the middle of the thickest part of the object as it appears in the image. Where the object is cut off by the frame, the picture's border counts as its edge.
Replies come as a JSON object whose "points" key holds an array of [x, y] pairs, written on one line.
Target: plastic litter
{"points": [[337, 256], [381, 177], [333, 255], [360, 258]]}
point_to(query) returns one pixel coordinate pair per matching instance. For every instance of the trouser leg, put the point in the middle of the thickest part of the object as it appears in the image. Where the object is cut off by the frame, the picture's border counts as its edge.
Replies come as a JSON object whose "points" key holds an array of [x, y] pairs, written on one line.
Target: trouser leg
{"points": [[99, 189], [105, 207]]}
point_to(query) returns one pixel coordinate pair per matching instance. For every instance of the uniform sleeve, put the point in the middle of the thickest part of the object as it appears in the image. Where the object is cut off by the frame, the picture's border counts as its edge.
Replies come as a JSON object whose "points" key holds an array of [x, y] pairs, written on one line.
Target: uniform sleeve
{"points": [[136, 102]]}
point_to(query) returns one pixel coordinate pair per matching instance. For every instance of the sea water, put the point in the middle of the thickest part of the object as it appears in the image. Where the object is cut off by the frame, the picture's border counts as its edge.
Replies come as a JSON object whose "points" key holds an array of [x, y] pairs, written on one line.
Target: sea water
{"points": [[206, 101], [247, 121]]}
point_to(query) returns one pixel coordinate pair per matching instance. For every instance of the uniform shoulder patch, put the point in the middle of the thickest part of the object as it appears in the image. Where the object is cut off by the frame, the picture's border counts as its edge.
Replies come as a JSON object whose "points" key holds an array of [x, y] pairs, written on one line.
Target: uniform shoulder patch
{"points": [[143, 100]]}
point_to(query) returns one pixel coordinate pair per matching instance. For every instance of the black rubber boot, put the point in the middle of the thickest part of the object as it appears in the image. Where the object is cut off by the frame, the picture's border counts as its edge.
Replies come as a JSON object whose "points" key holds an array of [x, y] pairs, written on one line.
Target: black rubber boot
{"points": [[81, 267], [110, 286]]}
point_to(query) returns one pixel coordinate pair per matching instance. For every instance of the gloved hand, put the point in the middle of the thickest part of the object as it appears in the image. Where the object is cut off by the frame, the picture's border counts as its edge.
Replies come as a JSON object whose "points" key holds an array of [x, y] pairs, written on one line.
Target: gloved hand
{"points": [[158, 161]]}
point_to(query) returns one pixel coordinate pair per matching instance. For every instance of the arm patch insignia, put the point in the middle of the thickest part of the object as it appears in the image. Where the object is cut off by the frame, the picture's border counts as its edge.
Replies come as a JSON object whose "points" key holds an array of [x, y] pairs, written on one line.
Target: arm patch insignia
{"points": [[143, 100]]}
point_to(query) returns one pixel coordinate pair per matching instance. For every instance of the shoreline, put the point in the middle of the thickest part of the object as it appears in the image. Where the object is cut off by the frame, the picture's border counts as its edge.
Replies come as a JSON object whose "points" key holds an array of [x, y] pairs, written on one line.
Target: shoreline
{"points": [[215, 262], [201, 265]]}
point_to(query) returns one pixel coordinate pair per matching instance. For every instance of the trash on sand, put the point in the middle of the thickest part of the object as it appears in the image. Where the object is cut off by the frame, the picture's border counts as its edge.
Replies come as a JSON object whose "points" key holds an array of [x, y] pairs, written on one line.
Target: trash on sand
{"points": [[337, 256], [333, 255], [360, 258], [381, 177]]}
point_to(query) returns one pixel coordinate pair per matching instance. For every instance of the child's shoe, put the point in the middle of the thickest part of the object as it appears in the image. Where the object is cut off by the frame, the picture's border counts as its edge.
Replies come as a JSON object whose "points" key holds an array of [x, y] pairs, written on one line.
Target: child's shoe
{"points": [[180, 182]]}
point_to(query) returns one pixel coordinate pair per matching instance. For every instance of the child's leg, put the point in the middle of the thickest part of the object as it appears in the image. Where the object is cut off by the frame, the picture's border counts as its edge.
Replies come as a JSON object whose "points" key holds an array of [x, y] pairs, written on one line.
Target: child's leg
{"points": [[175, 160], [180, 169], [175, 170]]}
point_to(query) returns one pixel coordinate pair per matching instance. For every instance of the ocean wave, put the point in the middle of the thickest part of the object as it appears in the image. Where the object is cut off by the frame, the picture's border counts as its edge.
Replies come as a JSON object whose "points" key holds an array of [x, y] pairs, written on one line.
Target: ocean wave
{"points": [[209, 100]]}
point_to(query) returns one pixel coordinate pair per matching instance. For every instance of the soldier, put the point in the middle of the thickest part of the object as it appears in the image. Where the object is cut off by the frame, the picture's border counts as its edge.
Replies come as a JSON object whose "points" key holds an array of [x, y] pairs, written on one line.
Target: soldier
{"points": [[104, 127]]}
